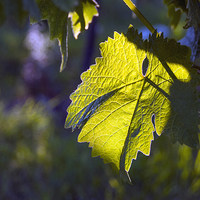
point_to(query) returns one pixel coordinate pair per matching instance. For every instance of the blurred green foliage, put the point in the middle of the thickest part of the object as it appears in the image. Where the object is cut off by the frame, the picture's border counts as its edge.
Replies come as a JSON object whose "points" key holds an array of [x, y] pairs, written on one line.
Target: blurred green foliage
{"points": [[36, 162]]}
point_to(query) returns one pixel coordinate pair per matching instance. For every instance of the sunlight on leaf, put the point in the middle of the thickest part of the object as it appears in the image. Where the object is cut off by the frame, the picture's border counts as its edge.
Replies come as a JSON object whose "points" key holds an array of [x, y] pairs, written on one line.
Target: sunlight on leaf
{"points": [[135, 89], [82, 16]]}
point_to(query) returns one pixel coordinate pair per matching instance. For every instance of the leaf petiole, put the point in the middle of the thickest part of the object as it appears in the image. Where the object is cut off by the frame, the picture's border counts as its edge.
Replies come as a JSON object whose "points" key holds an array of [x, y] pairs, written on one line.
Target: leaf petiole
{"points": [[132, 6]]}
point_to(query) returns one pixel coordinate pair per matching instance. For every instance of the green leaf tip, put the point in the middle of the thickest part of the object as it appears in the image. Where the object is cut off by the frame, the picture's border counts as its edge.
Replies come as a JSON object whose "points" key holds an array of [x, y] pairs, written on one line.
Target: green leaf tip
{"points": [[125, 176], [82, 16], [119, 107]]}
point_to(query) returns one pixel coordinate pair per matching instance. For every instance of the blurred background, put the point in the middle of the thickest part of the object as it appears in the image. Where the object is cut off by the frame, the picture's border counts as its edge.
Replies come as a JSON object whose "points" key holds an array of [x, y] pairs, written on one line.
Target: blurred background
{"points": [[39, 159]]}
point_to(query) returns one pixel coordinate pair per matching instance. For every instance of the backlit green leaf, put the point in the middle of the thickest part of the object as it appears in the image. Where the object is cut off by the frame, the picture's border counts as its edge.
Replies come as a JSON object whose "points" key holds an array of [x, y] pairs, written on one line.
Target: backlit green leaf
{"points": [[136, 89], [82, 16]]}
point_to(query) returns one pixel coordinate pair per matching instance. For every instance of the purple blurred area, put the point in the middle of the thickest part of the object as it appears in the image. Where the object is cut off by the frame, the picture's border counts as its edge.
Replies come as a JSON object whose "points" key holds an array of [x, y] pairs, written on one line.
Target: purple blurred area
{"points": [[28, 69]]}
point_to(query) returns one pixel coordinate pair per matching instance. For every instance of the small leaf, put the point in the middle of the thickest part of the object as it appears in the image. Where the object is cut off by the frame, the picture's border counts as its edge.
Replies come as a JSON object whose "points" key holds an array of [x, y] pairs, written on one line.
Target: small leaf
{"points": [[57, 20], [119, 108], [57, 14], [82, 16]]}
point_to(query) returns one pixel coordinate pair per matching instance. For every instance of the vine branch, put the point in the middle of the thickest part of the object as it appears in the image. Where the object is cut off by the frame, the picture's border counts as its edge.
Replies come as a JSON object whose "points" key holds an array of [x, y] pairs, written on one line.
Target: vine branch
{"points": [[132, 6]]}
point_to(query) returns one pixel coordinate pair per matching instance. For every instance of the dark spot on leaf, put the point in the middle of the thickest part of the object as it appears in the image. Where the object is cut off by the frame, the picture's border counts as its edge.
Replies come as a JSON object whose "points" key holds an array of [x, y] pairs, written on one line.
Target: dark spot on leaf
{"points": [[145, 66], [153, 122]]}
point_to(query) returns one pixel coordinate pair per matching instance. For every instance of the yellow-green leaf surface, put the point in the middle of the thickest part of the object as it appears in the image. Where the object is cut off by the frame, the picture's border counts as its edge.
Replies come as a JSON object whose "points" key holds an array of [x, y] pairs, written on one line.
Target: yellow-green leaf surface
{"points": [[135, 89], [82, 16]]}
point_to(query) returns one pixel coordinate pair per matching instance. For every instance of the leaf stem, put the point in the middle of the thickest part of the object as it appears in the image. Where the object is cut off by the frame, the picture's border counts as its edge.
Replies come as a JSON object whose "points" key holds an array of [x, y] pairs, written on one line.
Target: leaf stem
{"points": [[132, 6]]}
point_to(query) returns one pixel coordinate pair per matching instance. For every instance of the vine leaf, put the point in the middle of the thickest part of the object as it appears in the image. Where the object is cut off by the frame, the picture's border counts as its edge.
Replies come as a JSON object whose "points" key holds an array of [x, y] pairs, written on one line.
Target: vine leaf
{"points": [[57, 13], [57, 20], [135, 89], [82, 16]]}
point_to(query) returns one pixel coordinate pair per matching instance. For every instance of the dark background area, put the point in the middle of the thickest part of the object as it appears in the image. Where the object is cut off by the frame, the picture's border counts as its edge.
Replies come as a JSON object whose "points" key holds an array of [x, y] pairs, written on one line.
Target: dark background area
{"points": [[39, 159]]}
